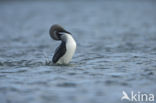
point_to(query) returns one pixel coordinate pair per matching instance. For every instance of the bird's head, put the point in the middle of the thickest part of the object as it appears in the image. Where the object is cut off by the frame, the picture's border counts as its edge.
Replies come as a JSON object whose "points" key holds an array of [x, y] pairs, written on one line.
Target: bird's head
{"points": [[56, 31]]}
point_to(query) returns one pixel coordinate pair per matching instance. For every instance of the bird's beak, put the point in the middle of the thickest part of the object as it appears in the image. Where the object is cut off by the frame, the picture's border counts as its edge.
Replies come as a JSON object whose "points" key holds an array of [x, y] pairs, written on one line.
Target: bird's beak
{"points": [[62, 33]]}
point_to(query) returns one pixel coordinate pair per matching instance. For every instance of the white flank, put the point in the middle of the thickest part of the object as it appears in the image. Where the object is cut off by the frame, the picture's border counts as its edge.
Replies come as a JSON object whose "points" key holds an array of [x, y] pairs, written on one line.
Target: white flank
{"points": [[70, 50]]}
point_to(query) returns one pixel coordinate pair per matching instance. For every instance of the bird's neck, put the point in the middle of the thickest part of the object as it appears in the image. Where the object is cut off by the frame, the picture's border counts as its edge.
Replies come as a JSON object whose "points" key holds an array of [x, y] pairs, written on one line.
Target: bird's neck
{"points": [[67, 38], [70, 42]]}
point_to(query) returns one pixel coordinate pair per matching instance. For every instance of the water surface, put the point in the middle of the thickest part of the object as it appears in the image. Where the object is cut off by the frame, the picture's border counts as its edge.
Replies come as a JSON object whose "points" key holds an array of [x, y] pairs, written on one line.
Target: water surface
{"points": [[116, 51]]}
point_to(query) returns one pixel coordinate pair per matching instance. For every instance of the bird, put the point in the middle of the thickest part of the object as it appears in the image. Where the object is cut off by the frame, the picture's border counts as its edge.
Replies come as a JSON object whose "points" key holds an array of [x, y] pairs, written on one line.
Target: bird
{"points": [[65, 51]]}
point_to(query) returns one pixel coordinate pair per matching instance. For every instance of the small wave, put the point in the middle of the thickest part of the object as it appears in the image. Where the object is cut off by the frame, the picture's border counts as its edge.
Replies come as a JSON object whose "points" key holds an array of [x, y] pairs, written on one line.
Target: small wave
{"points": [[67, 84], [21, 63]]}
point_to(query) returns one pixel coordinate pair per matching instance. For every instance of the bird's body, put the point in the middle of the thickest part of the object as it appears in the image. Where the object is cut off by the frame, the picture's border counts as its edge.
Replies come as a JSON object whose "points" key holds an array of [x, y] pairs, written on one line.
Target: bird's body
{"points": [[70, 46], [63, 54]]}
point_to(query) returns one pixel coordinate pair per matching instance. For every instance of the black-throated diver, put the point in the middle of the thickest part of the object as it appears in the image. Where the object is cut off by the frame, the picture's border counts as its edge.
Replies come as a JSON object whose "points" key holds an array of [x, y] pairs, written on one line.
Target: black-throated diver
{"points": [[63, 54]]}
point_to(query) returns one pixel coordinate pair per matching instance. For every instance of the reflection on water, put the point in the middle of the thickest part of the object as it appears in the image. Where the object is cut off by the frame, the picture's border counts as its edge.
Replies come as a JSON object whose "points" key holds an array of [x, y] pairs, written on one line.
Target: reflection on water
{"points": [[116, 51]]}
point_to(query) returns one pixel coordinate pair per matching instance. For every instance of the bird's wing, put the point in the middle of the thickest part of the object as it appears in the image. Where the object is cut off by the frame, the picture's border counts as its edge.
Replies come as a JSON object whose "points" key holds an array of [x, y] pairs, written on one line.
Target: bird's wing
{"points": [[59, 52]]}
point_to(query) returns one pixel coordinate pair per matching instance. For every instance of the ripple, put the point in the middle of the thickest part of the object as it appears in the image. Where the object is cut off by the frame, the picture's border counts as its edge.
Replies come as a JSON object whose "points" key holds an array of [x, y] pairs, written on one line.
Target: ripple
{"points": [[112, 82], [67, 84], [22, 63], [2, 76]]}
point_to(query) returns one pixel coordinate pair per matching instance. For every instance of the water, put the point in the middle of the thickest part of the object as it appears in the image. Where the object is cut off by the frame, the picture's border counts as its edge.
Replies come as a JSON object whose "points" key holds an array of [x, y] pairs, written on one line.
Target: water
{"points": [[116, 51]]}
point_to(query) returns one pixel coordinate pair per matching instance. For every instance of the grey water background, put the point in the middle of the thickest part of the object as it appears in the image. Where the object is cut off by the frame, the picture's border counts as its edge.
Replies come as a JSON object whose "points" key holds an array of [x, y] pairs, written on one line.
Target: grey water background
{"points": [[116, 51]]}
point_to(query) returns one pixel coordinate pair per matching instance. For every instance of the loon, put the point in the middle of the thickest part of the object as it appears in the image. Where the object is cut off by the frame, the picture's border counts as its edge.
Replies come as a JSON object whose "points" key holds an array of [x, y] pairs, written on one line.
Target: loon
{"points": [[64, 52]]}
